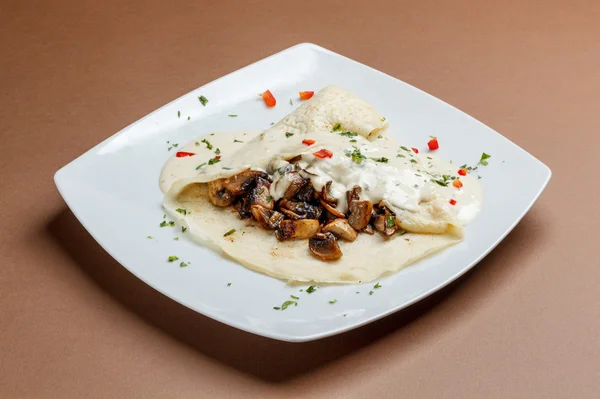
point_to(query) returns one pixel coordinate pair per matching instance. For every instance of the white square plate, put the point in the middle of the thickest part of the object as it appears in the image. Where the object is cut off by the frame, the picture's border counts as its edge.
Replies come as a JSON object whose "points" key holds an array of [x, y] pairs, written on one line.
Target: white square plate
{"points": [[113, 191]]}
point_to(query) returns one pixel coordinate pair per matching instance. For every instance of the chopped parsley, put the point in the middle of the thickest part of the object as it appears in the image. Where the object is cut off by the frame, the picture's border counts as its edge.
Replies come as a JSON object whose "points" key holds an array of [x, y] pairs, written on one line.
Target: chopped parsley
{"points": [[400, 156], [175, 145], [171, 223], [149, 237], [413, 161], [230, 232], [383, 119], [285, 305], [355, 155], [176, 239], [188, 118], [402, 232], [203, 100], [181, 210], [404, 148], [269, 198], [213, 161], [172, 258], [183, 229], [370, 292], [349, 134], [353, 141], [272, 123], [332, 302], [336, 127], [169, 149], [201, 165], [229, 284], [291, 102], [183, 264], [164, 223], [237, 141], [288, 134], [179, 114], [232, 115], [483, 161], [226, 168], [390, 221], [262, 190], [311, 289], [294, 297], [208, 144], [218, 151], [197, 143], [377, 286], [382, 159]]}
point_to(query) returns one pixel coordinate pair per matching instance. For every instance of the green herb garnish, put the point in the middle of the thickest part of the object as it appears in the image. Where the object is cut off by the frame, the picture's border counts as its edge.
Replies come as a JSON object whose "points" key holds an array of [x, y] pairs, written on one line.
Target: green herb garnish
{"points": [[332, 302], [208, 144], [353, 141], [183, 264], [201, 165], [181, 210], [294, 297], [230, 232], [348, 134], [311, 289], [237, 141], [183, 229], [404, 148], [288, 134], [262, 190], [382, 159], [149, 237], [402, 232], [370, 292], [213, 161], [203, 100], [483, 161], [175, 145], [232, 115], [269, 198], [169, 149], [291, 103], [413, 161], [383, 119], [218, 151], [390, 221], [176, 239], [229, 284], [172, 258], [178, 114], [226, 168], [377, 286], [355, 155], [171, 223], [336, 127], [163, 223]]}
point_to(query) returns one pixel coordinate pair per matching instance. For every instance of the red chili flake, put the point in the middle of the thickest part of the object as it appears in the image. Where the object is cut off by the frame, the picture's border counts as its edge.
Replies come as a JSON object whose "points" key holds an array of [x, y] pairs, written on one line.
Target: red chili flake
{"points": [[462, 172], [308, 142], [306, 95], [433, 144], [452, 202], [217, 157], [457, 183], [181, 154], [323, 154], [269, 99], [415, 150]]}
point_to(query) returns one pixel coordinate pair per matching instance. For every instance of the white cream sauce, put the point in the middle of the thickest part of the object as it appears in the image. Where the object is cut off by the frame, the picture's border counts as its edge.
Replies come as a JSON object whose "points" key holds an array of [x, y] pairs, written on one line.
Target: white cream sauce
{"points": [[405, 182]]}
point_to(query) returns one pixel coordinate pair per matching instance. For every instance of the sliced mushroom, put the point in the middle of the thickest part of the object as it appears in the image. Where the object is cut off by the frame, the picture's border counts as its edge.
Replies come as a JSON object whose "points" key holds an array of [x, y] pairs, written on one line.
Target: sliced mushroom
{"points": [[294, 182], [325, 246], [297, 229], [242, 205], [261, 195], [385, 223], [268, 219], [360, 213], [369, 230], [325, 193], [306, 193], [243, 182], [299, 210], [331, 209], [354, 194], [341, 229], [218, 195]]}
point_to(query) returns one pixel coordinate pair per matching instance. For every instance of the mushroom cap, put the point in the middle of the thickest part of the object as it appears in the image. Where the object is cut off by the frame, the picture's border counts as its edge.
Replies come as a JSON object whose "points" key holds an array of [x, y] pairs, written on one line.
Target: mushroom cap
{"points": [[325, 246], [341, 229]]}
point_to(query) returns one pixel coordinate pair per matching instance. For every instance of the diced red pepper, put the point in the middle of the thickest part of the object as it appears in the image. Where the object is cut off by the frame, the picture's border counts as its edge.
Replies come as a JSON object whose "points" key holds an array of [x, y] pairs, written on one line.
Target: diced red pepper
{"points": [[217, 157], [462, 172], [323, 154], [415, 150], [308, 142], [181, 154], [452, 202], [269, 99], [433, 144], [457, 183], [306, 95]]}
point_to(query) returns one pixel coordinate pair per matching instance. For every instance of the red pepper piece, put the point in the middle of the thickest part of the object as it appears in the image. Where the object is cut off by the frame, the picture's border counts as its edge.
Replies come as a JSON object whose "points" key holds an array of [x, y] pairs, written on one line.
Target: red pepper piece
{"points": [[457, 183], [308, 142], [323, 154], [217, 157], [181, 154], [415, 150], [433, 144], [462, 172], [306, 95], [269, 99], [452, 202]]}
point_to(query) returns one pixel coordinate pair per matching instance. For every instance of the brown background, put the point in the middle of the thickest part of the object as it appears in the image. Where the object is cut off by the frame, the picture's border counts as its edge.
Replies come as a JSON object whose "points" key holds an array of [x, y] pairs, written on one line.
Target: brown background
{"points": [[73, 323]]}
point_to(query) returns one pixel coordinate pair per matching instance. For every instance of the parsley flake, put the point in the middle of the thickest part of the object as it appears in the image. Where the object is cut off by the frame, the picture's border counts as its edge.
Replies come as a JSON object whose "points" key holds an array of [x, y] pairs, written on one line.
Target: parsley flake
{"points": [[183, 264], [175, 145], [149, 237], [370, 292], [230, 232], [237, 141], [355, 155], [178, 114], [336, 127], [288, 134], [213, 161], [229, 284], [291, 102], [183, 229], [483, 161], [176, 239], [285, 305], [383, 119], [382, 159], [203, 100], [163, 223], [294, 297], [390, 221], [377, 286], [208, 144], [232, 115], [201, 165], [181, 210], [332, 302], [348, 134], [311, 289], [172, 258], [218, 151], [269, 198], [353, 141]]}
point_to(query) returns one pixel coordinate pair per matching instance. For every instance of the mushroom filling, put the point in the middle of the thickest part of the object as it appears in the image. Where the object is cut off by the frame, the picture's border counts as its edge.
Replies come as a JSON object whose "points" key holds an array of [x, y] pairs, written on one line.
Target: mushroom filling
{"points": [[302, 212]]}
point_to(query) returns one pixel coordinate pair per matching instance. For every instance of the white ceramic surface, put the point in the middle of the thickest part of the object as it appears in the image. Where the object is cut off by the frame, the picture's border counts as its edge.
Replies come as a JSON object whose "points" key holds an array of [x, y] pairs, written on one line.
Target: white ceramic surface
{"points": [[113, 191]]}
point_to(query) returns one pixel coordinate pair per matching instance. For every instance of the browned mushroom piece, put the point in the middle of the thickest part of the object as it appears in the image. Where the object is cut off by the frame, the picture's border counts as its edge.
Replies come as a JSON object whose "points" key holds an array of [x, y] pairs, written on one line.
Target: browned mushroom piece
{"points": [[260, 194], [385, 223], [369, 230], [243, 182], [325, 246], [268, 219], [341, 229], [331, 209], [306, 193], [299, 210], [218, 195], [297, 229], [360, 213], [354, 194], [325, 193], [295, 181]]}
